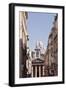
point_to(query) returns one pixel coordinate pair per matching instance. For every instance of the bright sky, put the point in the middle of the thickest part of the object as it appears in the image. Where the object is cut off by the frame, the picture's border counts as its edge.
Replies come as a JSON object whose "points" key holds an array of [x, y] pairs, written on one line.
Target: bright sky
{"points": [[39, 26]]}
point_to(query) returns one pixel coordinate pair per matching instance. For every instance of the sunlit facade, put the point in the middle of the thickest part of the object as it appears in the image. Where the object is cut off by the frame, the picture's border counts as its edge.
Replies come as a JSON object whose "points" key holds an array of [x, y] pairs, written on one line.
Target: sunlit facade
{"points": [[23, 16]]}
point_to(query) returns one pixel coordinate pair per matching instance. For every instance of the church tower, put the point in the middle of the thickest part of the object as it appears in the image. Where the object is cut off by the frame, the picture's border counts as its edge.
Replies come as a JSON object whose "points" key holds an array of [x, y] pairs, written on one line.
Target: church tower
{"points": [[39, 49]]}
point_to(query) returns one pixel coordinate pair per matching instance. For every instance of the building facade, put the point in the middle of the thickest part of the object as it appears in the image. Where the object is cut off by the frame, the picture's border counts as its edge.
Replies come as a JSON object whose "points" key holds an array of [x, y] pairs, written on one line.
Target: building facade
{"points": [[37, 68], [51, 54], [29, 63], [46, 57], [23, 16], [38, 60]]}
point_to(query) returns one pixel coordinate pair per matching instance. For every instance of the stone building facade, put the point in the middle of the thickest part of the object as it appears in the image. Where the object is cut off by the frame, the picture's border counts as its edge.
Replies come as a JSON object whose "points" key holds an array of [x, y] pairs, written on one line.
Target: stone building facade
{"points": [[51, 54], [38, 60], [23, 16], [29, 63], [37, 68], [46, 57]]}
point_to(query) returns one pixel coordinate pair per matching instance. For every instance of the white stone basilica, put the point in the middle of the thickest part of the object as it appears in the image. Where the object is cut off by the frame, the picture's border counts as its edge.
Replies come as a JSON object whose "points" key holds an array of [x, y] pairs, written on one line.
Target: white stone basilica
{"points": [[38, 60], [35, 63]]}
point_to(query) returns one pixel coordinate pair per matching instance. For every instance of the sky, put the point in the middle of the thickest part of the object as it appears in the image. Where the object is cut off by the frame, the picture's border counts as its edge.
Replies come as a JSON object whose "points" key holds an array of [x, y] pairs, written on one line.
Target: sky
{"points": [[39, 26]]}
